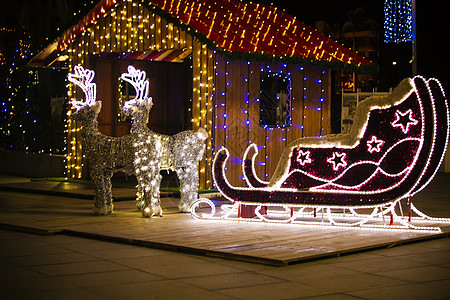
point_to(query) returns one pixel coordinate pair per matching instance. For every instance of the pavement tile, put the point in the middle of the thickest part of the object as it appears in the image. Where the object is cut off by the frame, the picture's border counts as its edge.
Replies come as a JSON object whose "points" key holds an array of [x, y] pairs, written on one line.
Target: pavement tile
{"points": [[403, 250], [13, 235], [78, 268], [31, 285], [163, 289], [428, 258], [232, 280], [437, 244], [439, 287], [409, 291], [350, 257], [285, 290], [330, 277], [18, 272], [66, 294], [418, 274], [28, 247], [126, 251], [86, 246], [336, 296], [175, 265], [109, 278], [377, 264], [53, 259]]}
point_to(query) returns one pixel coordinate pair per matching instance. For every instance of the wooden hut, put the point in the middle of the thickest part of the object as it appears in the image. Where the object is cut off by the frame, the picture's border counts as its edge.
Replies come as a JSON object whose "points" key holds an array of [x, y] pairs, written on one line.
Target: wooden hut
{"points": [[246, 72]]}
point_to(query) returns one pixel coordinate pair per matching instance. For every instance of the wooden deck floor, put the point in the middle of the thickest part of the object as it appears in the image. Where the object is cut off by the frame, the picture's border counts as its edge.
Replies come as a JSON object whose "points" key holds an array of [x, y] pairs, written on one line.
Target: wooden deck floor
{"points": [[264, 243]]}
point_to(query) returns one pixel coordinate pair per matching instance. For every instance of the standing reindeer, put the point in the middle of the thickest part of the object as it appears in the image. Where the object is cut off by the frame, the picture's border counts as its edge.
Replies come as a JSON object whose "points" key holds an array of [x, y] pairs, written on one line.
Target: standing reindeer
{"points": [[105, 154], [153, 151]]}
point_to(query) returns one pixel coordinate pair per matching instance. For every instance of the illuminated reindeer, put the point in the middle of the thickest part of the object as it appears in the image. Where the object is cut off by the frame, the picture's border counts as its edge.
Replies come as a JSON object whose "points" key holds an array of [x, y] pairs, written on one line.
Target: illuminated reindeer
{"points": [[153, 151], [105, 154]]}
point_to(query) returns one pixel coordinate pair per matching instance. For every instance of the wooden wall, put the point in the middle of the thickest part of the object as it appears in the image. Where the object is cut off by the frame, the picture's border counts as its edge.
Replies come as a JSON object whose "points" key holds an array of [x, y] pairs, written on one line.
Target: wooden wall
{"points": [[237, 86]]}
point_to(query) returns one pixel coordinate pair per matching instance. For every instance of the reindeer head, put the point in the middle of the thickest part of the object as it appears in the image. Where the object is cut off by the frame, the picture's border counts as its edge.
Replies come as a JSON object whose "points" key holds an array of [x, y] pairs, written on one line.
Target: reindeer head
{"points": [[89, 108], [141, 104]]}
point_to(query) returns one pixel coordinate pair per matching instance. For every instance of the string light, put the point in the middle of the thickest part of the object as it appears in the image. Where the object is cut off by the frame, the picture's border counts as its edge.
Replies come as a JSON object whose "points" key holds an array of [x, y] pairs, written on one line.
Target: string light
{"points": [[398, 21]]}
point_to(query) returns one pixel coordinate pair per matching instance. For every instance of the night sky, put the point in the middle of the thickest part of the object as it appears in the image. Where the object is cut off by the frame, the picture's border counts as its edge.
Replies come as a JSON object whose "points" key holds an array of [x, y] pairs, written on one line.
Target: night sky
{"points": [[432, 25]]}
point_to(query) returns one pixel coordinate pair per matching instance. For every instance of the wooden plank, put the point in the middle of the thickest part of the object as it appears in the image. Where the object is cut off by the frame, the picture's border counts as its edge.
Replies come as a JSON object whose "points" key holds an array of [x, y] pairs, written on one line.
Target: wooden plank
{"points": [[109, 32], [219, 102], [164, 41], [203, 110], [296, 130], [276, 137], [210, 119], [158, 31], [151, 25], [326, 108], [236, 134], [115, 29], [257, 133], [102, 29], [312, 122], [196, 101]]}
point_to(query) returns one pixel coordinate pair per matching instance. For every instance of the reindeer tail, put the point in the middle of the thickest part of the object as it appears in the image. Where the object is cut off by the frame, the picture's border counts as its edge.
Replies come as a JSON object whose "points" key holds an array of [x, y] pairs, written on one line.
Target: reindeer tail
{"points": [[202, 134]]}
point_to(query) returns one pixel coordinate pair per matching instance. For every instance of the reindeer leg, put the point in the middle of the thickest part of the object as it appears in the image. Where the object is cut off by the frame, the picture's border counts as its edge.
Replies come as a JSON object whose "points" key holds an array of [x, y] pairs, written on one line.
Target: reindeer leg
{"points": [[140, 201], [108, 192], [150, 188], [156, 200], [143, 195], [98, 178], [188, 177]]}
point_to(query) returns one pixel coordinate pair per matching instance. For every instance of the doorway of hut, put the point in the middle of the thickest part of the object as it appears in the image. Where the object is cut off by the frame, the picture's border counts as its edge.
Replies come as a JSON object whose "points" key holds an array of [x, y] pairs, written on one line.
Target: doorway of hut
{"points": [[170, 86]]}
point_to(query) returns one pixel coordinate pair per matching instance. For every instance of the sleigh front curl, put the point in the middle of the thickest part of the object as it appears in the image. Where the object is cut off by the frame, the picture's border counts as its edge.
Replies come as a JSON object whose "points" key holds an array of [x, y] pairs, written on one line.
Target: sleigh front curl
{"points": [[393, 150]]}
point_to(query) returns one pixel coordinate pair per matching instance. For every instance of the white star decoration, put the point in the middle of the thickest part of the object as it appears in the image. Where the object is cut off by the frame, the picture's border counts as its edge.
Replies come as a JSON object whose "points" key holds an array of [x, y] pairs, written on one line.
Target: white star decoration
{"points": [[374, 145], [303, 157], [404, 120], [338, 160]]}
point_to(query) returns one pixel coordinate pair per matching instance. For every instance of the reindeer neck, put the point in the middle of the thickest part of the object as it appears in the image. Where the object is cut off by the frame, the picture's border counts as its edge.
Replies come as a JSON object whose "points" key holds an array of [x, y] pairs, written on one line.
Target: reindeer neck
{"points": [[90, 126], [137, 127], [139, 123]]}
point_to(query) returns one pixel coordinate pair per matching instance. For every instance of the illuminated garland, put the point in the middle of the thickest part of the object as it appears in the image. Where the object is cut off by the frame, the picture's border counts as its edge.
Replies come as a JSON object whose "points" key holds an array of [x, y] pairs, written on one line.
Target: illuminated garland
{"points": [[398, 21], [25, 123]]}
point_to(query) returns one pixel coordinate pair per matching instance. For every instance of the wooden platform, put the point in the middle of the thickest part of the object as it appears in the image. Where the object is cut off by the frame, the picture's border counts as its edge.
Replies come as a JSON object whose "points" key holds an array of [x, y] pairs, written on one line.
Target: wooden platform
{"points": [[270, 244]]}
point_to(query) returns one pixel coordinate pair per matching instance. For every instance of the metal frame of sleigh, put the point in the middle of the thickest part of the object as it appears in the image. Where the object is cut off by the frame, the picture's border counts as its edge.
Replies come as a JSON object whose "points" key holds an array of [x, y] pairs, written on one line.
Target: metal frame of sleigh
{"points": [[394, 149]]}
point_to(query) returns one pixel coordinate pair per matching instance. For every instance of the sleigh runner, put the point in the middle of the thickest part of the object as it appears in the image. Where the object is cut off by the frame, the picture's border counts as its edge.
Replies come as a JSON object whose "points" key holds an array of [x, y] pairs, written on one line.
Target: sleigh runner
{"points": [[393, 150]]}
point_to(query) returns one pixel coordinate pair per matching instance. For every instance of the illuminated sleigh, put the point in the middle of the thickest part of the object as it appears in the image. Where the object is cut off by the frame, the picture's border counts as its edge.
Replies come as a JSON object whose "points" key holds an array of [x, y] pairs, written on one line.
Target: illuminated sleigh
{"points": [[393, 150]]}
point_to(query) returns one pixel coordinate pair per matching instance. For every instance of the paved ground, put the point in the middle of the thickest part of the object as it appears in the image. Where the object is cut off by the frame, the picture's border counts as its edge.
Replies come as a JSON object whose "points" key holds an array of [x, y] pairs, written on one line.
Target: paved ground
{"points": [[64, 267]]}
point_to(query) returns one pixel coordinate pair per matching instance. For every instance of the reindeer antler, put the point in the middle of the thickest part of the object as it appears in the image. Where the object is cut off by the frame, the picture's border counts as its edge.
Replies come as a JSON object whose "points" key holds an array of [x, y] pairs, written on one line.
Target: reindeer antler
{"points": [[137, 79], [83, 78]]}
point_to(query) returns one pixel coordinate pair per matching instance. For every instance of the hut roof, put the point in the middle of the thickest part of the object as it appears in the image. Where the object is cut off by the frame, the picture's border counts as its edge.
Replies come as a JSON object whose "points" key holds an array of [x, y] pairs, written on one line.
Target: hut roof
{"points": [[235, 28]]}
